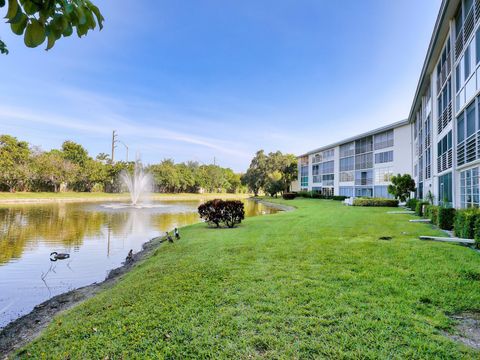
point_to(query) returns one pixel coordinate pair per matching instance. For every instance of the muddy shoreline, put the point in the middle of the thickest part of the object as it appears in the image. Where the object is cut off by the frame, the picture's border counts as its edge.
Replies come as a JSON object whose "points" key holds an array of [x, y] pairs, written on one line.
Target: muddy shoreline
{"points": [[26, 328]]}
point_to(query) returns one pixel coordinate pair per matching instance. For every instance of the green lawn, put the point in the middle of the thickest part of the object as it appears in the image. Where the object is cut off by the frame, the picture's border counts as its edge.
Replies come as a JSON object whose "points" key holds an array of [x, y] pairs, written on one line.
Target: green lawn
{"points": [[312, 283]]}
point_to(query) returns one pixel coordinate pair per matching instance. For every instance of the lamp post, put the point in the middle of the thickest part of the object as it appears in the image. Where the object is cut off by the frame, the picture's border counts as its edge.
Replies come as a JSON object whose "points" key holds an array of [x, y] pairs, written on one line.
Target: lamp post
{"points": [[126, 147]]}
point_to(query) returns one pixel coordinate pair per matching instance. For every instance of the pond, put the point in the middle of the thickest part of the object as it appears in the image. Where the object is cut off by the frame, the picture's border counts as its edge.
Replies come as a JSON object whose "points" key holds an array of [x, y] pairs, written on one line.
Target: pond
{"points": [[97, 237]]}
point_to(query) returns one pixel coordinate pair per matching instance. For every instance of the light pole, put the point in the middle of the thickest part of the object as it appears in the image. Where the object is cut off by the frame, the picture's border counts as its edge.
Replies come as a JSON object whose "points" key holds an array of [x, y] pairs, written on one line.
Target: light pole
{"points": [[126, 147]]}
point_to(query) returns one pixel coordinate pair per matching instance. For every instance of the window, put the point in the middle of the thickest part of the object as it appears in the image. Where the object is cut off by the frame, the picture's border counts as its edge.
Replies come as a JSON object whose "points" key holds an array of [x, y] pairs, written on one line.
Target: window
{"points": [[327, 167], [328, 155], [460, 129], [477, 45], [317, 158], [467, 66], [347, 150], [445, 144], [383, 175], [346, 176], [328, 180], [346, 191], [316, 174], [364, 161], [470, 120], [347, 164], [445, 190], [469, 188], [384, 140], [384, 157], [363, 145], [382, 192], [364, 177], [458, 22], [304, 176], [364, 192]]}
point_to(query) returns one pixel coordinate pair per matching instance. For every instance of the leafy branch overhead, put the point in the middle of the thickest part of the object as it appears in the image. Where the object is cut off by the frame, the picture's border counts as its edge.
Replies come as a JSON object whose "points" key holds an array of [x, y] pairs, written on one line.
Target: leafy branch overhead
{"points": [[40, 20]]}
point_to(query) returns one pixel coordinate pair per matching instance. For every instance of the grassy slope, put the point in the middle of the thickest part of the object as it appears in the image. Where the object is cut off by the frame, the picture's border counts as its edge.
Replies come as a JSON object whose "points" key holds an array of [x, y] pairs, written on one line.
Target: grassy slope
{"points": [[314, 282]]}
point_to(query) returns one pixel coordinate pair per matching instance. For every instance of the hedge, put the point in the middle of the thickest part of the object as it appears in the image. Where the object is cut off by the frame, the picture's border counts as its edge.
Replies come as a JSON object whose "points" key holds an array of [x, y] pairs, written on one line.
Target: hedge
{"points": [[419, 207], [375, 202], [464, 223], [446, 218], [412, 204], [317, 195], [431, 212], [477, 232], [289, 196]]}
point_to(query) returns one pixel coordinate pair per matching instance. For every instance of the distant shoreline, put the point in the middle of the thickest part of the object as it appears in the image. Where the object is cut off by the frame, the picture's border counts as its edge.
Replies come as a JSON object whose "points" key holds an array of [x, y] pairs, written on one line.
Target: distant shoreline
{"points": [[45, 198]]}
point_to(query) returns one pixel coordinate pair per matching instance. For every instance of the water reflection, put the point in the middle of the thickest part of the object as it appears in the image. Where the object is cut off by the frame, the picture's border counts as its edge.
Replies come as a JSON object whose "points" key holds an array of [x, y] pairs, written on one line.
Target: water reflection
{"points": [[98, 239]]}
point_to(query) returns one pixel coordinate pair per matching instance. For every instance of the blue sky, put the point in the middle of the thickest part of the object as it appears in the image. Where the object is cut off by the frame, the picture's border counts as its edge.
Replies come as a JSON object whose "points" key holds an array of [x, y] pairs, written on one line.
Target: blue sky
{"points": [[194, 80]]}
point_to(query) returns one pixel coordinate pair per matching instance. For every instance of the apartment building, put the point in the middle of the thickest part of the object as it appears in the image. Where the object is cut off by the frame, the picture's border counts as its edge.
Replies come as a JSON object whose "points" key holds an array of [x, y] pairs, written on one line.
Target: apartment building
{"points": [[445, 116], [359, 166]]}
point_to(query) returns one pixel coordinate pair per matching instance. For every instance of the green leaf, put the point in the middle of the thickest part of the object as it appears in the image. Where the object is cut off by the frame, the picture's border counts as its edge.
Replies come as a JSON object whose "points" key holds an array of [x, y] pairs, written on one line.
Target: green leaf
{"points": [[68, 30], [18, 16], [19, 27], [51, 40], [30, 8], [12, 9], [98, 15], [34, 34]]}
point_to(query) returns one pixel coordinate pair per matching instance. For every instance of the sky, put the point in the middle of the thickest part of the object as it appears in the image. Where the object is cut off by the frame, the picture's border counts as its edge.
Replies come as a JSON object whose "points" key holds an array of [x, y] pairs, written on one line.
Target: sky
{"points": [[218, 80]]}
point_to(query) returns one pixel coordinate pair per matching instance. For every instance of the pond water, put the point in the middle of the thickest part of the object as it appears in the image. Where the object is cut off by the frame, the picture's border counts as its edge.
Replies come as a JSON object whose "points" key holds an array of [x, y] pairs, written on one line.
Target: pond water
{"points": [[97, 237]]}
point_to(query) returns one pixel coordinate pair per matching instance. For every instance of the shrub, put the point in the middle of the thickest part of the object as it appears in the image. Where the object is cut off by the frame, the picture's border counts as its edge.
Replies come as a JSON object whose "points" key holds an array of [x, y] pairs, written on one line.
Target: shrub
{"points": [[431, 212], [217, 212], [304, 194], [233, 212], [412, 204], [339, 197], [464, 223], [477, 232], [419, 207], [375, 202], [289, 196], [446, 217]]}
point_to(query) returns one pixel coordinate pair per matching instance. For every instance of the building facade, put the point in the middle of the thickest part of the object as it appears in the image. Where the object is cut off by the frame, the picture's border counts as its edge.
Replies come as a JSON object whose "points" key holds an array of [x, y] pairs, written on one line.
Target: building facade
{"points": [[359, 166], [445, 114]]}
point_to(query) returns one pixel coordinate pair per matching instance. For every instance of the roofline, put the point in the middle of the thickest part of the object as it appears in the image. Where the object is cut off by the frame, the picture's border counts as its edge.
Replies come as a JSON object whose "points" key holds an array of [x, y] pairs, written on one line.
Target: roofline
{"points": [[356, 137], [428, 58]]}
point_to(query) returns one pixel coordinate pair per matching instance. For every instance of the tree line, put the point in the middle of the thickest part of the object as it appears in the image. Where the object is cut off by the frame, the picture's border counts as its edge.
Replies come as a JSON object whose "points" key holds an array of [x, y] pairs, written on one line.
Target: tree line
{"points": [[271, 173], [24, 167]]}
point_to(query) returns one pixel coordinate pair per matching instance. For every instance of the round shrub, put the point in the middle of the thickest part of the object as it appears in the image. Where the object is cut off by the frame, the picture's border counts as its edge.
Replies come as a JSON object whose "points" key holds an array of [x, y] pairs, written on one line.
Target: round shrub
{"points": [[217, 212], [419, 207], [289, 196]]}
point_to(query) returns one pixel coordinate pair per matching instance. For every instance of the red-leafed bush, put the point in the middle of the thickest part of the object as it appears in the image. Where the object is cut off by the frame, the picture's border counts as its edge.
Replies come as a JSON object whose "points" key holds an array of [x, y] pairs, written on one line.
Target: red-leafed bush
{"points": [[217, 212]]}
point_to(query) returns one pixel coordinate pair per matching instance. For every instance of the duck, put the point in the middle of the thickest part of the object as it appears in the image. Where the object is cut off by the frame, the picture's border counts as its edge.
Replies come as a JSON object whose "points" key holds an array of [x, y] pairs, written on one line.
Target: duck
{"points": [[54, 256]]}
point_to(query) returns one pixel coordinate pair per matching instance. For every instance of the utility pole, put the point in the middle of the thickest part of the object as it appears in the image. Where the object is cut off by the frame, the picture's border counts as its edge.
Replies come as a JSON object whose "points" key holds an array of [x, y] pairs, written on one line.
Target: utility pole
{"points": [[114, 140]]}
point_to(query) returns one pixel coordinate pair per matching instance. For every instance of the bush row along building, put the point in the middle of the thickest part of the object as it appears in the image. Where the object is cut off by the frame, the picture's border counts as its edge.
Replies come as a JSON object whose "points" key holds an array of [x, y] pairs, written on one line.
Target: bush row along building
{"points": [[439, 143]]}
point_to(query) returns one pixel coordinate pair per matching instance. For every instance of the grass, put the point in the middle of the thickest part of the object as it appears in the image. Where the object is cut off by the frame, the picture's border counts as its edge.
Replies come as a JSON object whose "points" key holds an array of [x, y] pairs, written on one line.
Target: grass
{"points": [[81, 196], [312, 283]]}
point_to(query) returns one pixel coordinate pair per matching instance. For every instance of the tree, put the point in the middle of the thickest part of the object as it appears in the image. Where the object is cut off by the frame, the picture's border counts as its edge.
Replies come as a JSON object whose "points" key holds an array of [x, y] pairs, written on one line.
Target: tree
{"points": [[14, 157], [54, 170], [40, 20], [256, 176], [74, 152], [165, 176], [401, 187], [274, 183]]}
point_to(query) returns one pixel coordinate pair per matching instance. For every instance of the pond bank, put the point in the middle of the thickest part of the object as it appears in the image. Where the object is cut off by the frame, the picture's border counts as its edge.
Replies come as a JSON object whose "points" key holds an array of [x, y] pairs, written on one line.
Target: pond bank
{"points": [[28, 327], [43, 198]]}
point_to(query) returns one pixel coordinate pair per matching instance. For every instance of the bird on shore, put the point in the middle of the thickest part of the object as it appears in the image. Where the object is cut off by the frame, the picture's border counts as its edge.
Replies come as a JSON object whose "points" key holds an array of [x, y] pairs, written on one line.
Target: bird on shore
{"points": [[54, 256], [169, 238], [129, 257], [176, 233]]}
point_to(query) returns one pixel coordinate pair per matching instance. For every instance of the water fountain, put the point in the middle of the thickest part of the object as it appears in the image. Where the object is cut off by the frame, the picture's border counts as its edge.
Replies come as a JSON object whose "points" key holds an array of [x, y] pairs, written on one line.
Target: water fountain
{"points": [[139, 183]]}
